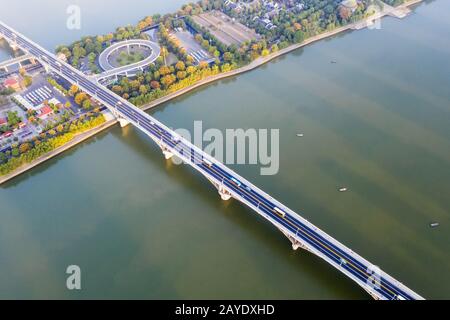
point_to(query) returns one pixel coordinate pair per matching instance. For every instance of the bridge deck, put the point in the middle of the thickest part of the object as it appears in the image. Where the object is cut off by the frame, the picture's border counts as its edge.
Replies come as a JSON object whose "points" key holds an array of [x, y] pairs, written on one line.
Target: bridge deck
{"points": [[13, 61], [300, 231]]}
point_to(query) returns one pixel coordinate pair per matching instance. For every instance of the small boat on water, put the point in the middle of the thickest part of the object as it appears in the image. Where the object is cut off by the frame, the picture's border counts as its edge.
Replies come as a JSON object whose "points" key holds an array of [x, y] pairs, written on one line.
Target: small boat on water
{"points": [[343, 189], [434, 224], [333, 61], [300, 134]]}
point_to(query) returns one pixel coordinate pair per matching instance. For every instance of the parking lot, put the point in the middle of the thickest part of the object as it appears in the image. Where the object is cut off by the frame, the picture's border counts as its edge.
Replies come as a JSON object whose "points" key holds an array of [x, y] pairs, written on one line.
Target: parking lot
{"points": [[32, 98], [38, 95], [225, 29], [193, 48]]}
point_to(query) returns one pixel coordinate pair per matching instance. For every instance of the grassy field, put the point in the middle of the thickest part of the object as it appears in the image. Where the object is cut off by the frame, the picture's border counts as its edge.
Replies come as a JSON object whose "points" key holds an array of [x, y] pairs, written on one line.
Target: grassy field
{"points": [[125, 59]]}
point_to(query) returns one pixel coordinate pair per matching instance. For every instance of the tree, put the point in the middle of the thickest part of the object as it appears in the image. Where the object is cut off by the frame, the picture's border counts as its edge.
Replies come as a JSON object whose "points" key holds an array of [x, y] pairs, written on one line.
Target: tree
{"points": [[203, 65], [117, 89], [155, 84], [73, 90], [143, 89], [27, 80], [3, 157], [80, 97], [181, 75], [299, 36], [13, 118], [191, 69], [227, 56], [180, 66], [164, 70], [168, 80], [135, 84], [87, 104], [24, 147], [345, 12]]}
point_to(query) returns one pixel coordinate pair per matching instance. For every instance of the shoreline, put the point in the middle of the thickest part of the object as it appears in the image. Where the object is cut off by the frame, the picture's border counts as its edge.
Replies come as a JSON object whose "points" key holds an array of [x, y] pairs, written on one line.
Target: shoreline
{"points": [[75, 141], [260, 61]]}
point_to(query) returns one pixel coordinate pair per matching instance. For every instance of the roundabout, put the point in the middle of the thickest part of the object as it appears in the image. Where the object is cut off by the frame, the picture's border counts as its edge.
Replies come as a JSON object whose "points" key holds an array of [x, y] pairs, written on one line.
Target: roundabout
{"points": [[138, 53]]}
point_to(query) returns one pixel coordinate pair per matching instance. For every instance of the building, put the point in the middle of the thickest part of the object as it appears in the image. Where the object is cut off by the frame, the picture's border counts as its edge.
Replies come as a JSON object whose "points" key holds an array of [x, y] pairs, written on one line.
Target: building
{"points": [[21, 101], [12, 83], [45, 112], [61, 56], [351, 5]]}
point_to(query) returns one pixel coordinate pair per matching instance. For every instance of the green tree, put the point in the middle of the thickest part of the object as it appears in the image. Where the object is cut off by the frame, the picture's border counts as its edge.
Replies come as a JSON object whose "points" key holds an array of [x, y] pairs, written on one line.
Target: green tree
{"points": [[87, 104], [80, 97]]}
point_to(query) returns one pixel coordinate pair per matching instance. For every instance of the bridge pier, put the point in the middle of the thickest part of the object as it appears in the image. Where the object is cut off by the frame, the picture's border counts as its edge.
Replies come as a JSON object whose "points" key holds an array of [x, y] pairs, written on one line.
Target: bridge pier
{"points": [[295, 243], [46, 67], [224, 194], [167, 154], [14, 46], [123, 122], [371, 292]]}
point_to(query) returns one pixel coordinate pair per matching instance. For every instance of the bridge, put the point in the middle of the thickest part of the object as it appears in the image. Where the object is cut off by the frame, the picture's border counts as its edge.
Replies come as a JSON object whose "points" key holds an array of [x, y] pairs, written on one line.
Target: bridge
{"points": [[16, 61], [301, 232]]}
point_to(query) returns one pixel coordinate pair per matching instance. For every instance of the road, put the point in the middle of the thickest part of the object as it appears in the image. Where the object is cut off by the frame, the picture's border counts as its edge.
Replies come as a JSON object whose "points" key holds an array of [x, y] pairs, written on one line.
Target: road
{"points": [[109, 70]]}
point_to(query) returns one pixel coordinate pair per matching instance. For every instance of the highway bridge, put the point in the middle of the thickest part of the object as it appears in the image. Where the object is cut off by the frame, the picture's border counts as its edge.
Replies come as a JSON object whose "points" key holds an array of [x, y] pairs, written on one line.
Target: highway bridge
{"points": [[229, 184], [5, 65]]}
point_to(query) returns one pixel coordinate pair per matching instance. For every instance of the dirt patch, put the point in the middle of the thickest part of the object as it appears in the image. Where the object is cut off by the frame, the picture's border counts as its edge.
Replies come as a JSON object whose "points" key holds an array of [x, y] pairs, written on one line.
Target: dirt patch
{"points": [[225, 29]]}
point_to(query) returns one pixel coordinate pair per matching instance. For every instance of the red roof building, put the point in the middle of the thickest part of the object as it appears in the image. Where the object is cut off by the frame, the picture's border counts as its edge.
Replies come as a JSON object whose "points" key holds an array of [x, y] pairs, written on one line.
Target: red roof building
{"points": [[12, 83], [44, 112]]}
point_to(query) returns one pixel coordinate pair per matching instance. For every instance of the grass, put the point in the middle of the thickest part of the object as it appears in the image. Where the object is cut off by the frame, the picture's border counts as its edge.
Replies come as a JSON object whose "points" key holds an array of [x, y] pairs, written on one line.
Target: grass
{"points": [[125, 59]]}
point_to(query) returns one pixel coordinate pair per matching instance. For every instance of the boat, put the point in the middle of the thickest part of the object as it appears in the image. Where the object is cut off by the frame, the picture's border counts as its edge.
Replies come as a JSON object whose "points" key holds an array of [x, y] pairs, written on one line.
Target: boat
{"points": [[343, 189], [300, 134], [434, 224], [333, 61]]}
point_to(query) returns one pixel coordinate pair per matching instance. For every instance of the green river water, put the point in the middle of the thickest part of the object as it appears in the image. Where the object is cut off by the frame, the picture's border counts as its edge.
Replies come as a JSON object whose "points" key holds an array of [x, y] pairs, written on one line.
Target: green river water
{"points": [[377, 121]]}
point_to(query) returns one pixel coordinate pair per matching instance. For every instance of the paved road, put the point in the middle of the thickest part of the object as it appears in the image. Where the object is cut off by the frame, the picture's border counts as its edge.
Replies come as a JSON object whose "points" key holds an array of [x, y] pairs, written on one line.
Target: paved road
{"points": [[379, 284], [109, 70]]}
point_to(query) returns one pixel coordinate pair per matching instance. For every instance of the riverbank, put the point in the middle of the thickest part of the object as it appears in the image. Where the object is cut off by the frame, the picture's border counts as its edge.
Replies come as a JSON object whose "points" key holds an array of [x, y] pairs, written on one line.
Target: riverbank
{"points": [[263, 60], [253, 65], [78, 139]]}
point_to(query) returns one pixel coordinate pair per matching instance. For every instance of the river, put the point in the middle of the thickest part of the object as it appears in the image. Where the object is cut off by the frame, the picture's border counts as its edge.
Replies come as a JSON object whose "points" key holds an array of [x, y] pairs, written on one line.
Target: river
{"points": [[377, 121]]}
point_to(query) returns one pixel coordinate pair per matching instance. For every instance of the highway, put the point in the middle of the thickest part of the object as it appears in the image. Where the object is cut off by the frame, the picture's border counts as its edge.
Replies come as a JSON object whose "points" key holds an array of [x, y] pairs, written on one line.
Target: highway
{"points": [[18, 60], [300, 231]]}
